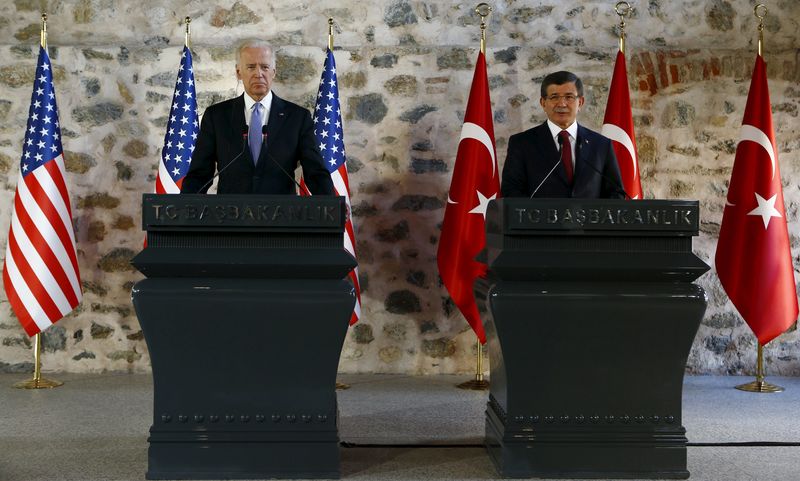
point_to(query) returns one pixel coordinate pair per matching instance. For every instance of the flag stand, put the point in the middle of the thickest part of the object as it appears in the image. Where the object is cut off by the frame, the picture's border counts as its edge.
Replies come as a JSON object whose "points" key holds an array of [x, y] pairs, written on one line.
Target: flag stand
{"points": [[479, 383], [38, 382], [340, 386], [760, 385]]}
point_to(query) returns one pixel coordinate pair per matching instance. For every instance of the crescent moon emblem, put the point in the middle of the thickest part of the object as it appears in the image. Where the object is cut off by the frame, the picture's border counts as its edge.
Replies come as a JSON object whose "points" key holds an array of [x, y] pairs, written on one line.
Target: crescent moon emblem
{"points": [[758, 136], [617, 134], [475, 131]]}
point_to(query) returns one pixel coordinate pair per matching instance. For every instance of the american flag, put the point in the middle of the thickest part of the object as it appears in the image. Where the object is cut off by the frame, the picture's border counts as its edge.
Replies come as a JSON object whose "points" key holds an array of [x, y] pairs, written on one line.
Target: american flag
{"points": [[328, 129], [40, 274], [182, 130]]}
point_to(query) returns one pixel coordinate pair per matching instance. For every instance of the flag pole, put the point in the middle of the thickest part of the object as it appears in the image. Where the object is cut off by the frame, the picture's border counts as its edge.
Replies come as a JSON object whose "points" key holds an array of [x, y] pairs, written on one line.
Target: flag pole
{"points": [[187, 36], [760, 12], [760, 385], [38, 382], [340, 386], [479, 383], [330, 34], [623, 9]]}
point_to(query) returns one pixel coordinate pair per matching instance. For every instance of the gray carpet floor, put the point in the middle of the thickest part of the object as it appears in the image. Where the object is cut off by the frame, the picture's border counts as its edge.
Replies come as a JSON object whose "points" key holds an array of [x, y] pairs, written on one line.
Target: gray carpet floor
{"points": [[395, 428]]}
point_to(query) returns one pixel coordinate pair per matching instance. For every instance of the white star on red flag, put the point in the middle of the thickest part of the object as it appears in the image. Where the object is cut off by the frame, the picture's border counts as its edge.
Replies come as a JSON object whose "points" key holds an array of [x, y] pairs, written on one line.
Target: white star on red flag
{"points": [[475, 172], [766, 209], [483, 204], [754, 264]]}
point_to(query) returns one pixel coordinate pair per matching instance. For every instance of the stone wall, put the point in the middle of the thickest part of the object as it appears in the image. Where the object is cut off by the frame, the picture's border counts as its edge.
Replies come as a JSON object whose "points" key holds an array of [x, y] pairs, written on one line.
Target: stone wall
{"points": [[405, 68]]}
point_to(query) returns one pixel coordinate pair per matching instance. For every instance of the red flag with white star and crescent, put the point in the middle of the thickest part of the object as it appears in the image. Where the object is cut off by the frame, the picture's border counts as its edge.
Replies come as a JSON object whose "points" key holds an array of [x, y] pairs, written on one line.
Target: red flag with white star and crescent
{"points": [[754, 259], [618, 126], [475, 182]]}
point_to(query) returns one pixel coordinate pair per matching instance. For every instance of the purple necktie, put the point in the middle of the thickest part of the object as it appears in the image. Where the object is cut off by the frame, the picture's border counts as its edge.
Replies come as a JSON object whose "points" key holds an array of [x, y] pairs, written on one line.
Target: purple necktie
{"points": [[254, 135]]}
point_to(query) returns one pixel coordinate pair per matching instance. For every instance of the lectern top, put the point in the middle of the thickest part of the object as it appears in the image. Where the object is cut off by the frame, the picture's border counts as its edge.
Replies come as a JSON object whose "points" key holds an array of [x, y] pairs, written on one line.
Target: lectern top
{"points": [[520, 216], [253, 213]]}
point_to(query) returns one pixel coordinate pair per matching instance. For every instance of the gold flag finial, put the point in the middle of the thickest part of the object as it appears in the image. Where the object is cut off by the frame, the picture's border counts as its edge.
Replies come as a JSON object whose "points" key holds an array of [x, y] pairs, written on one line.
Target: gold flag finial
{"points": [[187, 37], [760, 12], [330, 34], [623, 9], [483, 9], [43, 37]]}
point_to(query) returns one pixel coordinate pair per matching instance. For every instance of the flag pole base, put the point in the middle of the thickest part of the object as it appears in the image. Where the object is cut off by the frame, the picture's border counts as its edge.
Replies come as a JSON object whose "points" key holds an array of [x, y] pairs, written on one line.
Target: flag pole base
{"points": [[477, 384], [759, 386], [340, 386], [474, 385], [41, 383]]}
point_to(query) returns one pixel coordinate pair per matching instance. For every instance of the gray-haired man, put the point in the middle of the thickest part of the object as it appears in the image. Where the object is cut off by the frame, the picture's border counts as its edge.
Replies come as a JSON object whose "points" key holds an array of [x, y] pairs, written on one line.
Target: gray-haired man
{"points": [[255, 141]]}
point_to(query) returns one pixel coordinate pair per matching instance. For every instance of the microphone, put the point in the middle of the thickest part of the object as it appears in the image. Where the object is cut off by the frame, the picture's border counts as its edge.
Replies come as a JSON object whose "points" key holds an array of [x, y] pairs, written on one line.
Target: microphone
{"points": [[618, 185], [270, 157], [245, 131], [560, 147]]}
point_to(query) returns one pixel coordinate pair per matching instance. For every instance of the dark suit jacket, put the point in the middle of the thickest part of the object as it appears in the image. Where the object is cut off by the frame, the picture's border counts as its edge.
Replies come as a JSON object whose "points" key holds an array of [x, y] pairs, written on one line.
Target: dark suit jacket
{"points": [[531, 155], [290, 138]]}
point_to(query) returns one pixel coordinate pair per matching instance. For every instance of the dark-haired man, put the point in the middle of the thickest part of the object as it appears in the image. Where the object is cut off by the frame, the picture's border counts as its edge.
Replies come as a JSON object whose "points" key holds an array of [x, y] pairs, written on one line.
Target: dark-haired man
{"points": [[560, 158], [255, 141]]}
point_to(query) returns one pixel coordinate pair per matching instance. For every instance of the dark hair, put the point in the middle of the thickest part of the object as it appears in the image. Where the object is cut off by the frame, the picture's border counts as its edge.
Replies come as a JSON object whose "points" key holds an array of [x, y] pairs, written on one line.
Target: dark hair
{"points": [[561, 78]]}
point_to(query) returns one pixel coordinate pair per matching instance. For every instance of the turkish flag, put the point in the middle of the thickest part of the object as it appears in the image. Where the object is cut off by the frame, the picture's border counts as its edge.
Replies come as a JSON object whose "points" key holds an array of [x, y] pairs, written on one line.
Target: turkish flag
{"points": [[754, 259], [475, 182], [618, 126]]}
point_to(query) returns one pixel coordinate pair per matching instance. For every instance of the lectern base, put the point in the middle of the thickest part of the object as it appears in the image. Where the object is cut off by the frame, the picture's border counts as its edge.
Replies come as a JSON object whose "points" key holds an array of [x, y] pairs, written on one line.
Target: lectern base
{"points": [[587, 378], [243, 459], [244, 376], [585, 454]]}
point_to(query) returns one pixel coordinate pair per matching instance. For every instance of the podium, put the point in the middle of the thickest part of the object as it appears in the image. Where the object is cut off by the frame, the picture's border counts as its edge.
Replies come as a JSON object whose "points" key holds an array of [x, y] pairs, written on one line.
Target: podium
{"points": [[591, 316], [244, 311]]}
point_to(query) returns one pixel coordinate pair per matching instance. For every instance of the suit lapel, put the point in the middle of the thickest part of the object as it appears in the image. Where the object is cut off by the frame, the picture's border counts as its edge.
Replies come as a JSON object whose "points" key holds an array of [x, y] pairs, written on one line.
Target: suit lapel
{"points": [[238, 125], [277, 115], [582, 149]]}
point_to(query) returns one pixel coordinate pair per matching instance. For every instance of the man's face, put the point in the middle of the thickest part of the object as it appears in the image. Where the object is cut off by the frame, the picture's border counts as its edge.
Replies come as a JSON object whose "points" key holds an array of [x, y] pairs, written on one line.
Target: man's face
{"points": [[255, 71], [562, 104]]}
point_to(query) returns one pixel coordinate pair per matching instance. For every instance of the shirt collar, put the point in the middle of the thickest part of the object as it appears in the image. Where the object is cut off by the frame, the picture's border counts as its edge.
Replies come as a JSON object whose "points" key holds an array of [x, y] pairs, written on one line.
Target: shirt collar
{"points": [[266, 102], [555, 129]]}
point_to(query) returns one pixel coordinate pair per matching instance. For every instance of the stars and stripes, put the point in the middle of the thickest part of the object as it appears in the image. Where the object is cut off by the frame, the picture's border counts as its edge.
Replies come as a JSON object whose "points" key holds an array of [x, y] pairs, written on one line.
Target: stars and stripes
{"points": [[40, 275], [182, 130], [328, 129]]}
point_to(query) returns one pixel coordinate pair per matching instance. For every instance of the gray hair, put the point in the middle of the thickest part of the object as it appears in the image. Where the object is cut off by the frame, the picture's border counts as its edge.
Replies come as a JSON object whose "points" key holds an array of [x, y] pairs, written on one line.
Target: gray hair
{"points": [[256, 43]]}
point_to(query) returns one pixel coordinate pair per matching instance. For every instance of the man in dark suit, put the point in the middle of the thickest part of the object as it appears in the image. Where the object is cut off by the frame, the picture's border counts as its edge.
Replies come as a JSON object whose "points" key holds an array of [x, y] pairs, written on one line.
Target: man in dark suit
{"points": [[560, 158], [255, 141]]}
